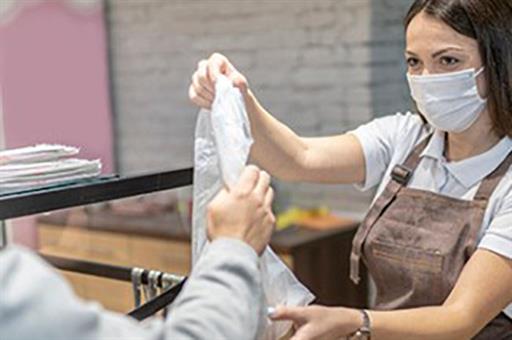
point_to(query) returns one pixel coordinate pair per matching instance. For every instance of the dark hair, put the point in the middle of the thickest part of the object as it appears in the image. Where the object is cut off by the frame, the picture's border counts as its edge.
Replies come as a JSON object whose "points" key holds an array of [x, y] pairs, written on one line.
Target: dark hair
{"points": [[489, 22]]}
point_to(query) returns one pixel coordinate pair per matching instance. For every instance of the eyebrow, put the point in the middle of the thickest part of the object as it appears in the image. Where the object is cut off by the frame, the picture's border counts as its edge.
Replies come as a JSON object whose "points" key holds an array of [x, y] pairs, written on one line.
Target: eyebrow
{"points": [[435, 54]]}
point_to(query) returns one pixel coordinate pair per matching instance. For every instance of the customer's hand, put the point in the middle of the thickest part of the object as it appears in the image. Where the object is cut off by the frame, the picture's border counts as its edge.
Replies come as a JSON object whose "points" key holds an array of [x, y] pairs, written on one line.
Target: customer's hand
{"points": [[202, 89], [244, 212]]}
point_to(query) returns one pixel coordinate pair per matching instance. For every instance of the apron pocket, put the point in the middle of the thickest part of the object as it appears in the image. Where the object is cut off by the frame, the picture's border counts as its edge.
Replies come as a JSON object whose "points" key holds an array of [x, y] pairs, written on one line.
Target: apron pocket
{"points": [[406, 277], [410, 258]]}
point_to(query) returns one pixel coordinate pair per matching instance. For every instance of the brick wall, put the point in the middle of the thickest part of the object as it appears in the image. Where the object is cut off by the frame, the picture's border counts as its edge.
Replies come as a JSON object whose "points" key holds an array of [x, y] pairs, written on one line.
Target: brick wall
{"points": [[322, 67]]}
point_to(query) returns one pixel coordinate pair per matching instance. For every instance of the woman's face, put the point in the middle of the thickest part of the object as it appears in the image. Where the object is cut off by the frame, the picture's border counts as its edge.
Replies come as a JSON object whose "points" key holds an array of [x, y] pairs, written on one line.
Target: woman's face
{"points": [[433, 47]]}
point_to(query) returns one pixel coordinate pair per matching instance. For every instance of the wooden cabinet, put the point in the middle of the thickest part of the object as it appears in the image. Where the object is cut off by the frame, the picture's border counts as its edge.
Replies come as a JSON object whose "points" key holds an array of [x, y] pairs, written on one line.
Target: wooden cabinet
{"points": [[320, 259], [116, 248], [165, 255], [78, 243]]}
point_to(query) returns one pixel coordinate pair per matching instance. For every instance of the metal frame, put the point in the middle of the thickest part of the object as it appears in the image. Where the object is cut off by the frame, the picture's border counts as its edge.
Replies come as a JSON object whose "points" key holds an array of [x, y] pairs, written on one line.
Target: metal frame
{"points": [[111, 86], [3, 234], [171, 284], [3, 225], [89, 191], [158, 303], [108, 271]]}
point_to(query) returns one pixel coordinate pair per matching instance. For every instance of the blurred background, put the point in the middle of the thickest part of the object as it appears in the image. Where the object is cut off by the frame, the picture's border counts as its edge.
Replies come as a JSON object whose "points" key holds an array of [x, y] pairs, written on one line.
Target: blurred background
{"points": [[112, 76]]}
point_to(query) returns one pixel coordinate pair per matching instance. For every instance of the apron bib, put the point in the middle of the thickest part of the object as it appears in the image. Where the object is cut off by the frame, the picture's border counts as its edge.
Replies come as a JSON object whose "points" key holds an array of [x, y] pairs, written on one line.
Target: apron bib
{"points": [[415, 243]]}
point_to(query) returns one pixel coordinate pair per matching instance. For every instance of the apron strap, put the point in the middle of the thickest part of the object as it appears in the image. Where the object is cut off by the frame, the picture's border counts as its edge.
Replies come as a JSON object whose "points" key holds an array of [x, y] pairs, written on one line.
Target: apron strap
{"points": [[400, 176], [492, 180], [481, 198]]}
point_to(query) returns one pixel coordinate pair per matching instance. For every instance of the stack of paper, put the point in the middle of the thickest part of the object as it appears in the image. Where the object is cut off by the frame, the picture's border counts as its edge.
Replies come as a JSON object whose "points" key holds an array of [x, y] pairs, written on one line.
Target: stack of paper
{"points": [[42, 165], [37, 153]]}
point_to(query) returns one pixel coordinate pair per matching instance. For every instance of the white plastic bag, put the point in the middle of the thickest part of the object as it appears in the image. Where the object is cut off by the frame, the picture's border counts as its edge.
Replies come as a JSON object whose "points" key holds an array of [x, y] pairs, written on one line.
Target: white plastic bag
{"points": [[222, 144]]}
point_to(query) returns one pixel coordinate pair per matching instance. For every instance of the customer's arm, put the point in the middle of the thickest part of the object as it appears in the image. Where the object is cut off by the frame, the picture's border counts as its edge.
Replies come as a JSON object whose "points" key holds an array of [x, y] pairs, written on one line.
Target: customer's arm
{"points": [[221, 300]]}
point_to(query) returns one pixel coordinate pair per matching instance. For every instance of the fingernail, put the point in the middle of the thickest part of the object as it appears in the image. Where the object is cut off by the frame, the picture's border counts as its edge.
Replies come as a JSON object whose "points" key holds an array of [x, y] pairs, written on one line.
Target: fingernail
{"points": [[271, 311]]}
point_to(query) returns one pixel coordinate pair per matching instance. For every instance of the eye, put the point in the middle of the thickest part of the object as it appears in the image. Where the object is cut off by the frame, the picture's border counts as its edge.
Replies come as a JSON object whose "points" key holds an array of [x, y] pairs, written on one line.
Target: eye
{"points": [[412, 62], [449, 61]]}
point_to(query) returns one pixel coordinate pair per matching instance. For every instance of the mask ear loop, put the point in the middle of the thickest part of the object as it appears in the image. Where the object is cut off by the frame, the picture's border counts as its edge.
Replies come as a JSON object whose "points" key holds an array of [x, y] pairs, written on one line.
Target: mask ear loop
{"points": [[477, 74]]}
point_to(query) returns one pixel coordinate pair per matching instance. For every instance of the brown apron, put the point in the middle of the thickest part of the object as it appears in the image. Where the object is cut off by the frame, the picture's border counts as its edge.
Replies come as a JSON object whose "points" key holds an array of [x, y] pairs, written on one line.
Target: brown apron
{"points": [[415, 243]]}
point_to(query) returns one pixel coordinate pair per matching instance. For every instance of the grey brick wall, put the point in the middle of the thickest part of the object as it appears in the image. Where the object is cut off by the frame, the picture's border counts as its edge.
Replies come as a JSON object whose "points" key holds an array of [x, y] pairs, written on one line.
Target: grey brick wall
{"points": [[322, 67]]}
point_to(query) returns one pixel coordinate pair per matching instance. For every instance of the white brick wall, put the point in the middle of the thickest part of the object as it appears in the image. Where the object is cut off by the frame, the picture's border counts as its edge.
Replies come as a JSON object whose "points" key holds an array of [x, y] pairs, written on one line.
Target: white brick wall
{"points": [[323, 67]]}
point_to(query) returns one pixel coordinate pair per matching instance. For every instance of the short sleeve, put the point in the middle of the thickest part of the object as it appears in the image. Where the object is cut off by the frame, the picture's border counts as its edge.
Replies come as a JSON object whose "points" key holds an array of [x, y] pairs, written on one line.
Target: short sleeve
{"points": [[498, 236], [379, 139]]}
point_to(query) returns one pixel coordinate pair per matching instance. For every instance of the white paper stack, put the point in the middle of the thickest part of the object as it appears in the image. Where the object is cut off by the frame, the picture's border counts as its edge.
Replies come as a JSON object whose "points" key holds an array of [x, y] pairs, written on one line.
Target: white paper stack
{"points": [[42, 165]]}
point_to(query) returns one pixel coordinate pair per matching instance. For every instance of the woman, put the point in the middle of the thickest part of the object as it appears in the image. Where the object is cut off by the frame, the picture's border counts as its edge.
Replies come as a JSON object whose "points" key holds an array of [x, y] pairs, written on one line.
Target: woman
{"points": [[438, 238]]}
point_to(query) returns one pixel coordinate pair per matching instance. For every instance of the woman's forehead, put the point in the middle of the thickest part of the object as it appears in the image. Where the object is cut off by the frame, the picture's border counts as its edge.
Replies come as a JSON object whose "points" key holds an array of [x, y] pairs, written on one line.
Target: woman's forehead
{"points": [[427, 32]]}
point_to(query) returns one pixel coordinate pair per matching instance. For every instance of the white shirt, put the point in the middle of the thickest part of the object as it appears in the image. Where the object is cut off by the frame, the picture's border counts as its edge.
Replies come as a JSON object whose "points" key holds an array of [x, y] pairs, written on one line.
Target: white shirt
{"points": [[388, 141]]}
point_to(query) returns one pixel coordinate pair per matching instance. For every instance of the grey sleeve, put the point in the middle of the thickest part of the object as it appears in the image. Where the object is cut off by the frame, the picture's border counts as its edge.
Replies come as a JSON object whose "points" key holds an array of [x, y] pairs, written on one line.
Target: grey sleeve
{"points": [[221, 300]]}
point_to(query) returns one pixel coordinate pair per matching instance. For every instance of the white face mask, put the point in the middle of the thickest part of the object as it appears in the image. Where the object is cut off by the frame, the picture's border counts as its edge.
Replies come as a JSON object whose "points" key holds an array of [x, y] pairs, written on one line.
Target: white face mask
{"points": [[449, 101]]}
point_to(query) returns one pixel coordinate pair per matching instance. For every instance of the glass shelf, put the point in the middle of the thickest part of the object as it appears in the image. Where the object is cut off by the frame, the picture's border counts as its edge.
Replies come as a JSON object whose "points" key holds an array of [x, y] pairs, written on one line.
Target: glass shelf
{"points": [[107, 187]]}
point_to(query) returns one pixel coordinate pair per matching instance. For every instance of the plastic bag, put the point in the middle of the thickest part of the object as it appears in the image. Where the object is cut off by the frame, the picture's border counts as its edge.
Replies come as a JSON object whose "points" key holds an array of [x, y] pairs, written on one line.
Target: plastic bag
{"points": [[222, 144]]}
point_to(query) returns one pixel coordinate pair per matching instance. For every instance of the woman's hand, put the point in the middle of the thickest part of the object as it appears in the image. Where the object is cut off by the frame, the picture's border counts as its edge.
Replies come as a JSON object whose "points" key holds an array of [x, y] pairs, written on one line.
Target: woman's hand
{"points": [[245, 211], [320, 322], [202, 90]]}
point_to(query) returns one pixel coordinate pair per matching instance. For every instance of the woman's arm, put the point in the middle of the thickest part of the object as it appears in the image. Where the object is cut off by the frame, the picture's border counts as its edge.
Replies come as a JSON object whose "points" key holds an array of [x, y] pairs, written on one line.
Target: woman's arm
{"points": [[277, 149], [284, 154], [483, 289]]}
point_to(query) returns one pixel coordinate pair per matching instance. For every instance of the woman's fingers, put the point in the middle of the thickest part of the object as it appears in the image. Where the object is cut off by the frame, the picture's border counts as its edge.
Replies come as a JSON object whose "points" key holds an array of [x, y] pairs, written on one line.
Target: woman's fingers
{"points": [[203, 94], [198, 99], [295, 314], [207, 73], [203, 78], [217, 65], [201, 88], [299, 318], [239, 81]]}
